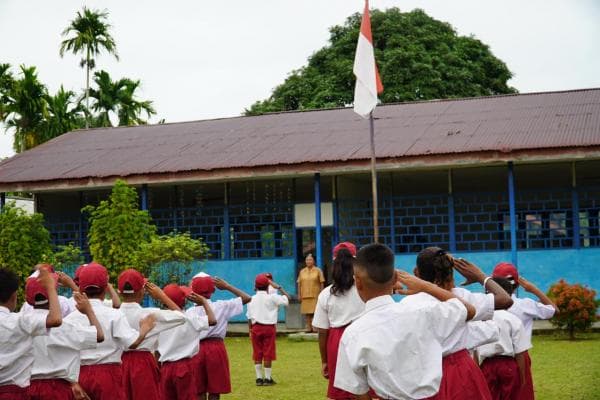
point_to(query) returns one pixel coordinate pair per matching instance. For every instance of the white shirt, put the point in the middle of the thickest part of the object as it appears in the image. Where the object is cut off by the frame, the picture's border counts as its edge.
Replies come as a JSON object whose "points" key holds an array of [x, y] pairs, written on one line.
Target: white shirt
{"points": [[512, 339], [527, 310], [394, 351], [67, 306], [335, 311], [165, 320], [263, 307], [16, 341], [223, 310], [481, 332], [458, 339], [118, 335], [182, 341], [57, 355]]}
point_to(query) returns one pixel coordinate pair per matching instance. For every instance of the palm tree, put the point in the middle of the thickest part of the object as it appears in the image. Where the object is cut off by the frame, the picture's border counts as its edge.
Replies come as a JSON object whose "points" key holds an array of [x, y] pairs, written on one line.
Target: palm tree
{"points": [[6, 83], [130, 109], [90, 35], [65, 114]]}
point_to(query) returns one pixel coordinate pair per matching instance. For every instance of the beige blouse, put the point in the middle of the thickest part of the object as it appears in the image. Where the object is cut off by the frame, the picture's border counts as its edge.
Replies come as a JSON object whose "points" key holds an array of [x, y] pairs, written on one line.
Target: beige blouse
{"points": [[310, 281]]}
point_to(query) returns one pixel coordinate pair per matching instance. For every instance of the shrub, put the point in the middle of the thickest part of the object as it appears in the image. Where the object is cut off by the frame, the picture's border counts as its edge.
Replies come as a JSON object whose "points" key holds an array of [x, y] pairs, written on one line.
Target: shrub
{"points": [[577, 307]]}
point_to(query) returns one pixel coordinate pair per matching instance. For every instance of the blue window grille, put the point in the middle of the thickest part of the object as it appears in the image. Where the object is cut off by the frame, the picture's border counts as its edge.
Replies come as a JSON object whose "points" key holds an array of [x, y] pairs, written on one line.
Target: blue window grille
{"points": [[420, 222], [589, 216], [355, 222]]}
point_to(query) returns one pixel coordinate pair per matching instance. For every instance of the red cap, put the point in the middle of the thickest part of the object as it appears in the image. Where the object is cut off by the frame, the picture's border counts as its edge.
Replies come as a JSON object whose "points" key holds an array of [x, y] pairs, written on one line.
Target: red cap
{"points": [[33, 287], [177, 293], [344, 245], [261, 281], [135, 279], [77, 272], [204, 286], [93, 274], [506, 270]]}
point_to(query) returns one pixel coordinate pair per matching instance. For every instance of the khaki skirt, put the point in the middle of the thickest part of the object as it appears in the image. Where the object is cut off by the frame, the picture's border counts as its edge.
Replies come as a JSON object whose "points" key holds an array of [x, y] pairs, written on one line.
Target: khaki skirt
{"points": [[308, 305]]}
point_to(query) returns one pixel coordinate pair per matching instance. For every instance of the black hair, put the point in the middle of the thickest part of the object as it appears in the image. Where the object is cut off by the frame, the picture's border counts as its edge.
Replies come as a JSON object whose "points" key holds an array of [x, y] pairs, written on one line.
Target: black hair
{"points": [[504, 284], [127, 286], [9, 283], [435, 265], [93, 291], [378, 261], [343, 272]]}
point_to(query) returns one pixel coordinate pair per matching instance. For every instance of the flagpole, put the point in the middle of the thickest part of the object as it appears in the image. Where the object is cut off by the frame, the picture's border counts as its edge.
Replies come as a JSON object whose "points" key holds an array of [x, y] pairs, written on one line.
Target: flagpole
{"points": [[374, 181]]}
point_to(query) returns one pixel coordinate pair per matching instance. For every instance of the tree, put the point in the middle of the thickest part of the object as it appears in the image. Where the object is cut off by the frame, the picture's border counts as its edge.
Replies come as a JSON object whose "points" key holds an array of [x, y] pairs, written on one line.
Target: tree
{"points": [[118, 229], [419, 58], [65, 114], [24, 241], [89, 35], [576, 304], [6, 84]]}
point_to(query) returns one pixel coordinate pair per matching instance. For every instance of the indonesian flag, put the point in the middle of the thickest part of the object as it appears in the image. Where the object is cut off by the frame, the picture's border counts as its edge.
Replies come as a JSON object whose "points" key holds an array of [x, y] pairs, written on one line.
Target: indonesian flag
{"points": [[368, 83]]}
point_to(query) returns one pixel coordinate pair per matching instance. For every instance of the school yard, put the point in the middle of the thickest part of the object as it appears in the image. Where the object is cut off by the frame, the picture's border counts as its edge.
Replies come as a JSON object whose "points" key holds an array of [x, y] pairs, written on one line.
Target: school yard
{"points": [[563, 370]]}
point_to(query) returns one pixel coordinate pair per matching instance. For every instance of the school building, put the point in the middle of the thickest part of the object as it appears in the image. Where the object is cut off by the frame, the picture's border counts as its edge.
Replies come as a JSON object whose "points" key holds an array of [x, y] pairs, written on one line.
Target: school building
{"points": [[513, 177]]}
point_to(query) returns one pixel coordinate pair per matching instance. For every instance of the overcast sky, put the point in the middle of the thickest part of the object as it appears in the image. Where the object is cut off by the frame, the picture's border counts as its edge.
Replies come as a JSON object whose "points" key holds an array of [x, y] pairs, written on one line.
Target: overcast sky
{"points": [[200, 59]]}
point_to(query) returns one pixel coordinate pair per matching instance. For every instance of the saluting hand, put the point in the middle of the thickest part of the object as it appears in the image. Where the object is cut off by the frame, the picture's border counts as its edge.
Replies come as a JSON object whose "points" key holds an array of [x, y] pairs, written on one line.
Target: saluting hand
{"points": [[82, 303], [220, 283], [526, 285], [408, 284], [152, 290], [470, 271], [196, 298]]}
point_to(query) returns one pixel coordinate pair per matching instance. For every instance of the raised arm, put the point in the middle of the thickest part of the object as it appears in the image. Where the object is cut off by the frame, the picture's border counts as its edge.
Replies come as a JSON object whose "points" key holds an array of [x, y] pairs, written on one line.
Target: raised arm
{"points": [[201, 301], [146, 325], [114, 296], [66, 281], [472, 273], [54, 317], [157, 294], [531, 288], [279, 287], [222, 284], [83, 305]]}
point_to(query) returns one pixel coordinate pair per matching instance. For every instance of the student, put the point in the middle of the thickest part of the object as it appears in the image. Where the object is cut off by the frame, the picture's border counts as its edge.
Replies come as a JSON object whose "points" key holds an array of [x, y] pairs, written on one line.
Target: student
{"points": [[67, 306], [394, 351], [262, 324], [179, 345], [141, 378], [461, 376], [17, 332], [73, 283], [57, 356], [526, 310], [100, 374], [212, 362], [337, 306], [503, 362]]}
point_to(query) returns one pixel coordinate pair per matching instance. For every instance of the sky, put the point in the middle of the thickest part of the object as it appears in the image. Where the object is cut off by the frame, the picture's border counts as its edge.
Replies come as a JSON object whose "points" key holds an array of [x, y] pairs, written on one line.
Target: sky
{"points": [[199, 60]]}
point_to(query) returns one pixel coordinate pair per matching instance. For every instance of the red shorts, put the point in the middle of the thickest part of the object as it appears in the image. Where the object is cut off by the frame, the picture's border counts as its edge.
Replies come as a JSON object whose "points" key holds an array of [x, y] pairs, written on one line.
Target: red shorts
{"points": [[141, 377], [462, 379], [178, 380], [527, 388], [212, 364], [263, 342], [333, 343], [102, 381], [13, 392], [50, 389], [502, 376]]}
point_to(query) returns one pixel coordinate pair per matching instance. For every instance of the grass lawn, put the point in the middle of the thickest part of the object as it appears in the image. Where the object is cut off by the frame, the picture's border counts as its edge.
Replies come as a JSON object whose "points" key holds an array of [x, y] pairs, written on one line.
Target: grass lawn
{"points": [[562, 370]]}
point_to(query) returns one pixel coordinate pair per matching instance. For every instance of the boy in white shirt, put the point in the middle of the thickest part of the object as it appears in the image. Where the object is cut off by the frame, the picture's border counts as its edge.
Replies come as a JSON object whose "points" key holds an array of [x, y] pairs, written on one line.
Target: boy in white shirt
{"points": [[17, 332], [141, 377], [395, 352], [57, 355], [177, 346], [262, 324], [100, 374]]}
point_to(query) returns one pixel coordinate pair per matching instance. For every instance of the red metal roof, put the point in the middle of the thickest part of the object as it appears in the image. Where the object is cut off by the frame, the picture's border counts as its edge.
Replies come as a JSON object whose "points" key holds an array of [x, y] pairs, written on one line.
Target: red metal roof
{"points": [[488, 124]]}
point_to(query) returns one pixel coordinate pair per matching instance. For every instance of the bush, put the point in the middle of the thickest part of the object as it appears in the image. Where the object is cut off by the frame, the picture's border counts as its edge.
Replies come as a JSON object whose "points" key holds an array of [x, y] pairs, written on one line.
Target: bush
{"points": [[577, 307], [65, 258]]}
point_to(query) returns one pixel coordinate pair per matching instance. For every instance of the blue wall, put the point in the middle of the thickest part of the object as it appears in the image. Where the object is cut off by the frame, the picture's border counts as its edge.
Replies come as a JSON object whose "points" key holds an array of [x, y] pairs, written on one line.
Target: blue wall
{"points": [[241, 274], [542, 267]]}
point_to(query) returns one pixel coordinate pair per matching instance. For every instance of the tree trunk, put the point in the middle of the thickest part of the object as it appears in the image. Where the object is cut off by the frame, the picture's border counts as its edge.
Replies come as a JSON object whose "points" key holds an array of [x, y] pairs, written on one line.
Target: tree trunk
{"points": [[571, 332], [87, 88]]}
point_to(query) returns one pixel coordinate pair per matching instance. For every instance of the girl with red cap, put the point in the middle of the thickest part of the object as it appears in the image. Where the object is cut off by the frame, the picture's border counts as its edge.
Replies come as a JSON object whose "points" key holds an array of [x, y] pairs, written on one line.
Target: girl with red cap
{"points": [[337, 306], [212, 360]]}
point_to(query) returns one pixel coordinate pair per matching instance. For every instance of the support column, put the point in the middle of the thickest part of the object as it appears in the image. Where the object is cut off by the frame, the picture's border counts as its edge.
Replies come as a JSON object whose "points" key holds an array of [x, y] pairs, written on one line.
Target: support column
{"points": [[575, 208], [318, 236], [81, 236], [144, 197], [226, 226], [451, 217], [336, 230], [513, 213], [176, 194], [392, 215]]}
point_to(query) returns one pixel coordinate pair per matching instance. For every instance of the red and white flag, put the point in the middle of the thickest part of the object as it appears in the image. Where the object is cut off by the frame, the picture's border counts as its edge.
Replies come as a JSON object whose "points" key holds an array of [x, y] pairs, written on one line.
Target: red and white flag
{"points": [[368, 83]]}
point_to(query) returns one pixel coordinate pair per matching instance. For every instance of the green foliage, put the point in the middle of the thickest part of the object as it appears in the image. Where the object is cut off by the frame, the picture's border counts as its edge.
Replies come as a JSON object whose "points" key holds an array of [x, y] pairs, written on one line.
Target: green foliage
{"points": [[577, 307], [118, 229], [24, 241], [65, 257], [419, 58], [167, 259]]}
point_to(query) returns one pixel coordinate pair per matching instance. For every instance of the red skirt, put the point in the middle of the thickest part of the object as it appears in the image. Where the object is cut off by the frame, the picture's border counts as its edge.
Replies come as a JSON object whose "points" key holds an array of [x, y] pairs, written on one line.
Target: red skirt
{"points": [[102, 381], [333, 343], [527, 388], [263, 342], [462, 379], [212, 365], [502, 376], [141, 377], [13, 392], [178, 380]]}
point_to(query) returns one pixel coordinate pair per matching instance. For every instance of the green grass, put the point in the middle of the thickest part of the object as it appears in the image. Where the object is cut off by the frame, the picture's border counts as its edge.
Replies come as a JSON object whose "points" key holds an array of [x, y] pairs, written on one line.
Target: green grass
{"points": [[562, 369]]}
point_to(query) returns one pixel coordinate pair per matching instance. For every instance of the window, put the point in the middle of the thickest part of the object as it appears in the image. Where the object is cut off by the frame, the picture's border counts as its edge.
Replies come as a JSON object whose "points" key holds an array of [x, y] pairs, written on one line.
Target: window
{"points": [[267, 241]]}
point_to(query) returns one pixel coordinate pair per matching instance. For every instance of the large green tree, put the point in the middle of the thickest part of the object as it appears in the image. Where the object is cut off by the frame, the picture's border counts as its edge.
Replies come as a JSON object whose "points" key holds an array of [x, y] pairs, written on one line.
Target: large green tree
{"points": [[88, 34], [65, 113], [419, 58]]}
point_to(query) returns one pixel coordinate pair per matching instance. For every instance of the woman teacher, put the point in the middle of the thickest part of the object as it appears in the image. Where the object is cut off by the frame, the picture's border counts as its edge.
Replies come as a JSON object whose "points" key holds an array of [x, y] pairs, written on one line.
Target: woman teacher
{"points": [[310, 283]]}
